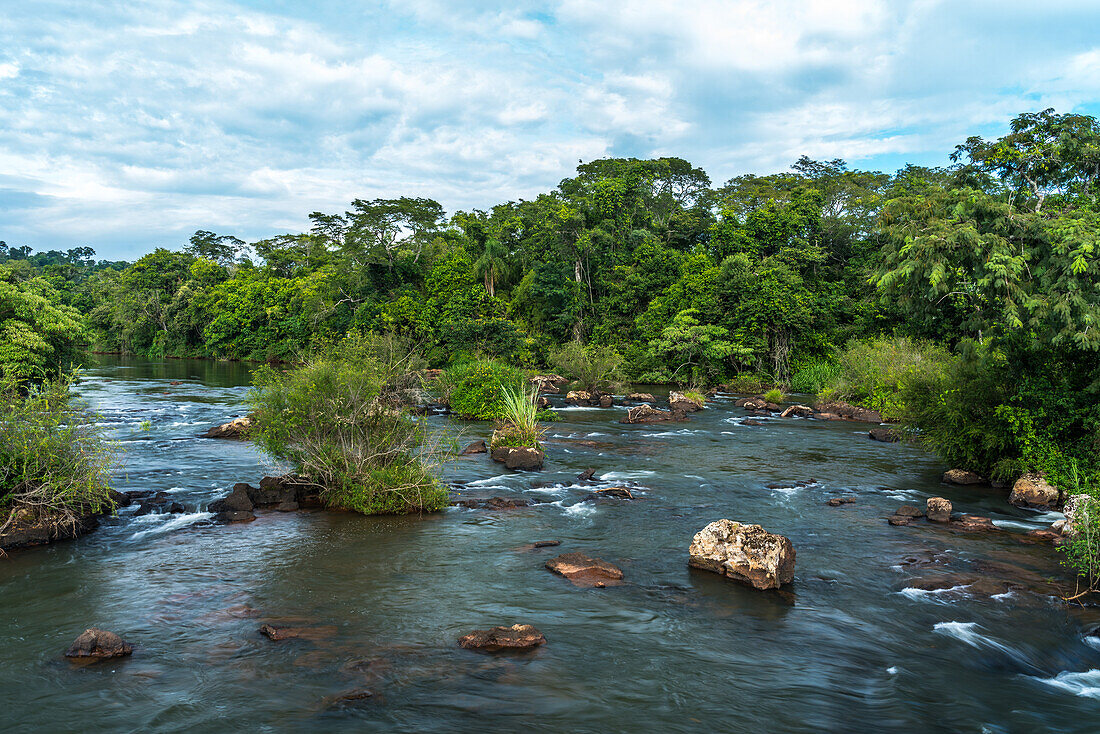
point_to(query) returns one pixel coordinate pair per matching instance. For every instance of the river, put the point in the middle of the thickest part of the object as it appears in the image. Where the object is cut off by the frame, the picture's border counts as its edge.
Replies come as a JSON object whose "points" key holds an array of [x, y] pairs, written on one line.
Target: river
{"points": [[852, 646]]}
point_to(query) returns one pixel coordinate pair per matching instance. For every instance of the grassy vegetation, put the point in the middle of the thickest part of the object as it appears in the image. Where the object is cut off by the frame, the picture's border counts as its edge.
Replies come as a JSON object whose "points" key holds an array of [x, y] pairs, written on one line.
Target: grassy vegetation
{"points": [[338, 419], [477, 389], [813, 377], [749, 384], [519, 424], [875, 373], [775, 395], [595, 369], [54, 460]]}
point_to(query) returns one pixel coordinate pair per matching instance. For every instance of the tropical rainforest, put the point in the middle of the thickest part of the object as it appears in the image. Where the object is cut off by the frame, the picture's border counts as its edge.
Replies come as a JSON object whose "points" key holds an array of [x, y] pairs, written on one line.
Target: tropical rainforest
{"points": [[959, 300]]}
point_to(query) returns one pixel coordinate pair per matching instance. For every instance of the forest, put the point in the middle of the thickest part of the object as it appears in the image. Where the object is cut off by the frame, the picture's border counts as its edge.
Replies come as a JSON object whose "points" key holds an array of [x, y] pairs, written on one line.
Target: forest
{"points": [[958, 300]]}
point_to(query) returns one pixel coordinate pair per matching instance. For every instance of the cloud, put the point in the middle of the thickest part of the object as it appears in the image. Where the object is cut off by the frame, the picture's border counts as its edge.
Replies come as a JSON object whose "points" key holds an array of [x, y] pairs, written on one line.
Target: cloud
{"points": [[130, 125]]}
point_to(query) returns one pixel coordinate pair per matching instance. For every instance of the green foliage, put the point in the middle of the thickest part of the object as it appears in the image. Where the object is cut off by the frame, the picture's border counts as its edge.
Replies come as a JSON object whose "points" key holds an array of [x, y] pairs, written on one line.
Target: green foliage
{"points": [[39, 336], [875, 374], [478, 389], [338, 419], [595, 369], [813, 377], [518, 424], [1081, 548], [54, 460], [775, 395], [700, 349], [748, 384]]}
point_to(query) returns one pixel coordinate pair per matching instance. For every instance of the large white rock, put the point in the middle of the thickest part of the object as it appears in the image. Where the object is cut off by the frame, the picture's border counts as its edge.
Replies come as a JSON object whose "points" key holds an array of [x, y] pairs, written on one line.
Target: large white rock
{"points": [[746, 553]]}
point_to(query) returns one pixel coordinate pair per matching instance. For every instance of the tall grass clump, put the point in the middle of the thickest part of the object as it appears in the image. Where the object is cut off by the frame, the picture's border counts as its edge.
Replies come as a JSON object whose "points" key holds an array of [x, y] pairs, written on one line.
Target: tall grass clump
{"points": [[519, 422], [341, 420], [875, 374], [476, 389], [775, 395], [54, 459], [813, 377]]}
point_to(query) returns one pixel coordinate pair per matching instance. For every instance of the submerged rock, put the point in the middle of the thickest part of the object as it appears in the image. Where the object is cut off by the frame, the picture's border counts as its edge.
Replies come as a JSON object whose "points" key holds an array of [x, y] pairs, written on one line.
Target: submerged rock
{"points": [[587, 475], [619, 493], [641, 397], [98, 644], [939, 509], [648, 414], [546, 543], [962, 477], [905, 515], [745, 553], [237, 428], [838, 501], [1032, 490], [584, 570], [493, 503], [476, 447], [517, 637]]}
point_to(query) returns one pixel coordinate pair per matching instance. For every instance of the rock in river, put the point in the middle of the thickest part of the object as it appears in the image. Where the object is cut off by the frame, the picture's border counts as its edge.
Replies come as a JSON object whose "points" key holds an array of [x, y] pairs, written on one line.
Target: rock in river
{"points": [[962, 476], [745, 553], [884, 434], [584, 570], [1032, 490], [939, 509], [646, 414], [678, 401], [98, 644], [516, 637], [237, 428], [520, 458], [477, 447]]}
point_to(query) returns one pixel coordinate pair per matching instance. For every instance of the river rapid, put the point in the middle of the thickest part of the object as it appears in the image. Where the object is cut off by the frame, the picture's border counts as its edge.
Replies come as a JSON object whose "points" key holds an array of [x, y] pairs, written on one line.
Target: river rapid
{"points": [[854, 645]]}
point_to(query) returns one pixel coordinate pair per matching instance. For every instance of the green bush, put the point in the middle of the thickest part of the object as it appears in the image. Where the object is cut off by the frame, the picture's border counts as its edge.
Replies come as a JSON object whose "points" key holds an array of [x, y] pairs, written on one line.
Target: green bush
{"points": [[775, 395], [341, 423], [748, 384], [476, 390], [874, 374], [695, 396], [813, 377], [595, 369], [54, 460]]}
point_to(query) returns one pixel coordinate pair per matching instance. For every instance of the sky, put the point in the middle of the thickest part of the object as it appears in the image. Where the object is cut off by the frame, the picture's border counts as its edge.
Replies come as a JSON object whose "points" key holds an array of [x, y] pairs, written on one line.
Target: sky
{"points": [[126, 126]]}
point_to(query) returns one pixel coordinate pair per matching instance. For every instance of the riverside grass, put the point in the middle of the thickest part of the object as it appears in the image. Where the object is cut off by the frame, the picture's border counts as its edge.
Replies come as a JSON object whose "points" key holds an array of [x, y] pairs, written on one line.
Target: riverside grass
{"points": [[54, 459], [519, 424]]}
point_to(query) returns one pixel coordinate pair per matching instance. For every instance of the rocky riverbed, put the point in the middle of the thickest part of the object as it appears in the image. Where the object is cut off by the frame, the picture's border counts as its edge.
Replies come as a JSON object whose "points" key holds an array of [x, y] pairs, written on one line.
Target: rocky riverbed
{"points": [[880, 627]]}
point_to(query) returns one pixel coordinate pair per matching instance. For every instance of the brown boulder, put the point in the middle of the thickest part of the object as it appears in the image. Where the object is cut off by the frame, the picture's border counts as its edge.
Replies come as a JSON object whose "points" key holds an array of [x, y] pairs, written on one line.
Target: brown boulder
{"points": [[477, 447], [619, 493], [884, 434], [584, 570], [973, 522], [678, 401], [851, 412], [827, 417], [641, 397], [838, 501], [1032, 490], [578, 397], [517, 637], [962, 476], [237, 428], [524, 459], [647, 414], [98, 644], [745, 553], [939, 509]]}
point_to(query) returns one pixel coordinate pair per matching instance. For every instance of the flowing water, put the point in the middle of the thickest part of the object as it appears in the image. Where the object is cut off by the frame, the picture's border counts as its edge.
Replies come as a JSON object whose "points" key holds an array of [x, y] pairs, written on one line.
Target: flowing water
{"points": [[852, 646]]}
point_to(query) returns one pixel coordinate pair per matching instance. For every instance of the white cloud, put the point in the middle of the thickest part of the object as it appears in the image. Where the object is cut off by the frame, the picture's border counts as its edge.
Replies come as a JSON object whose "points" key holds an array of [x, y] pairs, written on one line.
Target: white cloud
{"points": [[135, 124]]}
